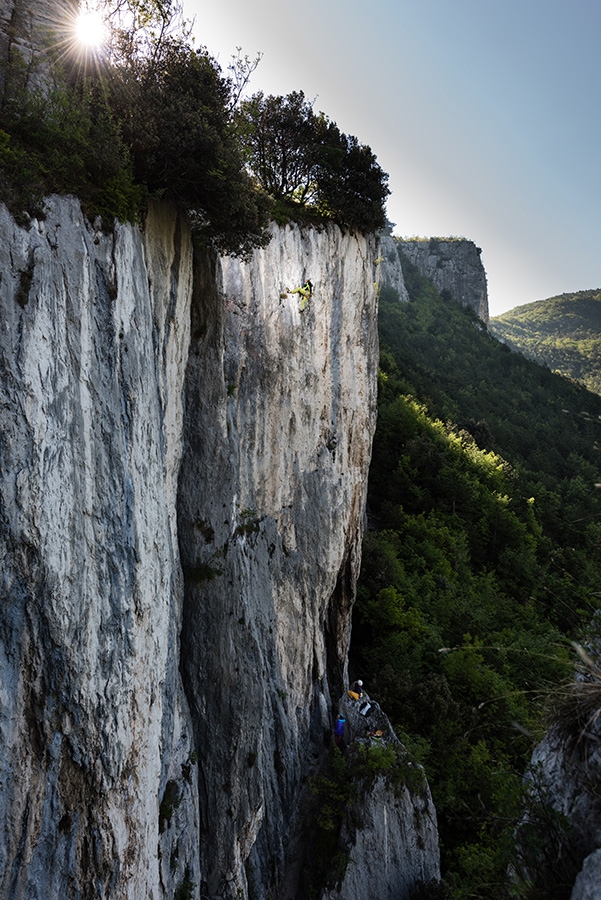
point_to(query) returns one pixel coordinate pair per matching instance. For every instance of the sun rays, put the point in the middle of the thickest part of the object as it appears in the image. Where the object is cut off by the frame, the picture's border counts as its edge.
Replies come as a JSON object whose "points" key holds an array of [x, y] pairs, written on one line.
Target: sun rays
{"points": [[90, 28], [83, 35]]}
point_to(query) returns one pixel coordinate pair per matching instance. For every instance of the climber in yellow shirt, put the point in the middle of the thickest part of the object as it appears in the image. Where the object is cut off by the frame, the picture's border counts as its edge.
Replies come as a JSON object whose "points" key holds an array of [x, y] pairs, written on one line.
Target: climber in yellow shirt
{"points": [[306, 292]]}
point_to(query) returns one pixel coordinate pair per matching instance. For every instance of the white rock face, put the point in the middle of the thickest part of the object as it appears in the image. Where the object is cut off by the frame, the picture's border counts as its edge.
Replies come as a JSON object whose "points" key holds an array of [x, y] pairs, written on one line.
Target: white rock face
{"points": [[452, 265], [394, 849], [281, 408], [93, 342]]}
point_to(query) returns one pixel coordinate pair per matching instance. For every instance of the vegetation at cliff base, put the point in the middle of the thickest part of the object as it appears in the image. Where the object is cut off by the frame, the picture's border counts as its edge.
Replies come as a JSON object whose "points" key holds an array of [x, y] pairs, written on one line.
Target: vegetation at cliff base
{"points": [[563, 333], [149, 116], [481, 563]]}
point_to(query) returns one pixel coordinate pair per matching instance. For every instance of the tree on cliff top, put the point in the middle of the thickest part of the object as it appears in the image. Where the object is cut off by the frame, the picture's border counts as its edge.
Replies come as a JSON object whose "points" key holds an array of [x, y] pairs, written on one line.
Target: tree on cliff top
{"points": [[303, 158], [175, 115]]}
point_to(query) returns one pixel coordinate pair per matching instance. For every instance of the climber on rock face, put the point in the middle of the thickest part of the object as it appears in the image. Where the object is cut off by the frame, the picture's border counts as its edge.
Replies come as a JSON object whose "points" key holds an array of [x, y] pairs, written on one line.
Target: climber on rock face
{"points": [[306, 292]]}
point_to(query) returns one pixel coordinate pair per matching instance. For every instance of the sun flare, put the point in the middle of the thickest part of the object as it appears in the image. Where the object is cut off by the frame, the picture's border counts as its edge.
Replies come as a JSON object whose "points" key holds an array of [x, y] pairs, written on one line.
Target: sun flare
{"points": [[90, 28]]}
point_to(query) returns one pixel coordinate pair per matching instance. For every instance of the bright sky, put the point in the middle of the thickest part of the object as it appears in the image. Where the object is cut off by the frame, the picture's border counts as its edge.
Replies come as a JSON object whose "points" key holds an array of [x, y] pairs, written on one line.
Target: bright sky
{"points": [[486, 115]]}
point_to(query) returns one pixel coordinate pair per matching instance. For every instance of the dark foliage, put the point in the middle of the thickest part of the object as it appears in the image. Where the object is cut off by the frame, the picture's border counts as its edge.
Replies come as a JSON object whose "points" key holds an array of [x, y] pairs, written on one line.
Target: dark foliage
{"points": [[302, 157], [63, 140], [176, 121], [118, 133], [277, 134], [351, 186]]}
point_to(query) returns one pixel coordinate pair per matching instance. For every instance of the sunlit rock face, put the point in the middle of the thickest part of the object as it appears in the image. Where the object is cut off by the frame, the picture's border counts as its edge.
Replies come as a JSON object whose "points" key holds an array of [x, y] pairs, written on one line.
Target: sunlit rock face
{"points": [[453, 265], [280, 414], [93, 344]]}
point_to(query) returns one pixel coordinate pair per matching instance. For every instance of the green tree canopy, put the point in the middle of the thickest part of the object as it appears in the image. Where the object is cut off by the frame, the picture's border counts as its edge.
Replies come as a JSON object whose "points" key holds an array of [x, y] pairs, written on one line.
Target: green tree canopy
{"points": [[278, 134], [300, 156], [176, 120]]}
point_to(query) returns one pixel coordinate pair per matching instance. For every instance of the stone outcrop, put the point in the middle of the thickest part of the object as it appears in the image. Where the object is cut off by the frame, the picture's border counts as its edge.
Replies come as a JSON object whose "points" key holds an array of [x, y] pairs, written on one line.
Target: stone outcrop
{"points": [[565, 773], [452, 265], [391, 271], [390, 832]]}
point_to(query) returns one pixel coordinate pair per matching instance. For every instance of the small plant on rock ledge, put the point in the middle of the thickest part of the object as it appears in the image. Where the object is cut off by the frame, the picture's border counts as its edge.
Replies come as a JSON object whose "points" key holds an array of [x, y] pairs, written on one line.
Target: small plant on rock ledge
{"points": [[170, 802], [185, 890], [389, 760]]}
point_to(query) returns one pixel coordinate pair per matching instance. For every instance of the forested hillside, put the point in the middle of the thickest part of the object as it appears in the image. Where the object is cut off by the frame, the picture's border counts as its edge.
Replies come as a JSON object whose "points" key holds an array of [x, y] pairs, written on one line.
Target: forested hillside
{"points": [[481, 565], [562, 332]]}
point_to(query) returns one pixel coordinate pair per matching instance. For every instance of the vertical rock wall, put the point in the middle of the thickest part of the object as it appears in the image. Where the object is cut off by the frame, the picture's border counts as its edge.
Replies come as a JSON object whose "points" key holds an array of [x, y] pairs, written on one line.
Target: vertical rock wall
{"points": [[391, 272], [112, 783], [93, 341], [271, 509]]}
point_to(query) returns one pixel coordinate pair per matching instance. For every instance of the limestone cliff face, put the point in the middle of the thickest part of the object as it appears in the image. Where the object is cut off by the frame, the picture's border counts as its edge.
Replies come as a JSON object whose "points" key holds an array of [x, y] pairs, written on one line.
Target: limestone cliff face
{"points": [[93, 345], [280, 413], [391, 270], [452, 265], [159, 720]]}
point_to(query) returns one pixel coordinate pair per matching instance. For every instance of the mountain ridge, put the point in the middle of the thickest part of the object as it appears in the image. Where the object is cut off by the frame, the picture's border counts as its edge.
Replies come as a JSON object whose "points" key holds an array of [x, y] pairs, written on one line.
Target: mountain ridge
{"points": [[562, 332]]}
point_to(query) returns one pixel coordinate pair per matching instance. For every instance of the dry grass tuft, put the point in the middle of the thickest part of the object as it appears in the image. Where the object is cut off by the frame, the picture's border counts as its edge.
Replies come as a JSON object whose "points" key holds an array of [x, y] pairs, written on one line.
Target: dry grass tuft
{"points": [[575, 707]]}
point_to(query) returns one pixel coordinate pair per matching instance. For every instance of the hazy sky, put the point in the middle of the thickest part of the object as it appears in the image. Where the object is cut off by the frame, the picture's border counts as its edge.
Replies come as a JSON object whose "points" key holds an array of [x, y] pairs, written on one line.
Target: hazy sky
{"points": [[486, 115]]}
